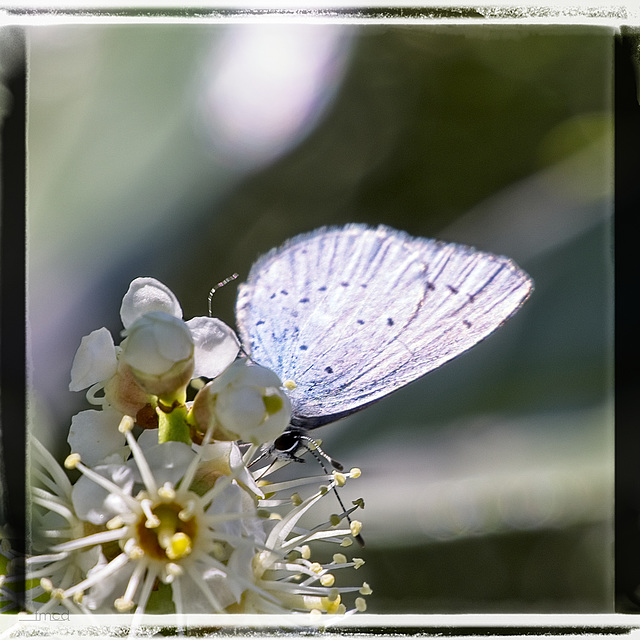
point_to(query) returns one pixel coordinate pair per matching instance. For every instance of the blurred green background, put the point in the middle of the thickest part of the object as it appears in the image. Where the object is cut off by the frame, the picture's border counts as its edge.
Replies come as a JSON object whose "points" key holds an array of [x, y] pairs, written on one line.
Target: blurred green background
{"points": [[185, 151]]}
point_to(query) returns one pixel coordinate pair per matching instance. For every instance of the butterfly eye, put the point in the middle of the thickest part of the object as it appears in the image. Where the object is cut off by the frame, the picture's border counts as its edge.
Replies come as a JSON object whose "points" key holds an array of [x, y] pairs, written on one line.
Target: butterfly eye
{"points": [[287, 443]]}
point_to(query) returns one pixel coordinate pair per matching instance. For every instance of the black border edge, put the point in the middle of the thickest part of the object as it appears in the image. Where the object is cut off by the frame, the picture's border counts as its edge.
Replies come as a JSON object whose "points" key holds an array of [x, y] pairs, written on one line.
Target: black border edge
{"points": [[13, 300]]}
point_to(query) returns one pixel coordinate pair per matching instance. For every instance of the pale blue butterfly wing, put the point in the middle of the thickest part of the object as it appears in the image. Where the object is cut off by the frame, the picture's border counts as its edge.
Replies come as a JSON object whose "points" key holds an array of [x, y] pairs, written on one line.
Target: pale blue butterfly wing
{"points": [[352, 314]]}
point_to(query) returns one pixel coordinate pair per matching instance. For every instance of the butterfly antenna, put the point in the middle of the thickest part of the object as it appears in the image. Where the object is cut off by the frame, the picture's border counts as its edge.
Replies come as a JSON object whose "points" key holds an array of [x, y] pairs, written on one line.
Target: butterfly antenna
{"points": [[318, 454], [232, 277]]}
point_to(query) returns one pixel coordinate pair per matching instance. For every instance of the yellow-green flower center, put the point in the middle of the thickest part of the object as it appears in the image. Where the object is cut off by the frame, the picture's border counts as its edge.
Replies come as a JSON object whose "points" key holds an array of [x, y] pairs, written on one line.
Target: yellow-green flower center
{"points": [[172, 537]]}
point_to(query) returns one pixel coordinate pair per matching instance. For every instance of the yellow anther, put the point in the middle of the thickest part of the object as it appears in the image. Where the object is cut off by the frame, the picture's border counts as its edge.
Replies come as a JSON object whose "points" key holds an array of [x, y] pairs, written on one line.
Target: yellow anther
{"points": [[179, 547], [339, 558], [46, 584], [135, 552], [58, 594], [126, 424], [290, 385], [305, 551], [324, 490], [361, 604], [187, 513], [296, 500], [327, 580], [78, 597], [218, 551], [123, 604], [355, 472], [334, 596], [366, 590], [166, 492], [340, 478], [346, 542], [335, 519], [115, 523], [355, 527], [72, 460], [316, 567], [357, 563]]}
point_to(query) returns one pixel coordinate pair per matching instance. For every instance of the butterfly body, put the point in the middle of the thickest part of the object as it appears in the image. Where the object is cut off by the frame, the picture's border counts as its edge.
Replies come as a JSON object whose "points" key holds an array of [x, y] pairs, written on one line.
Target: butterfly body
{"points": [[351, 314]]}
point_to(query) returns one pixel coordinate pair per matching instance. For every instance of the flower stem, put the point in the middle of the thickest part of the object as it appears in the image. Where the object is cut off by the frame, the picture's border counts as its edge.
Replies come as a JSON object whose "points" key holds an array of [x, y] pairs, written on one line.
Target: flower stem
{"points": [[173, 426]]}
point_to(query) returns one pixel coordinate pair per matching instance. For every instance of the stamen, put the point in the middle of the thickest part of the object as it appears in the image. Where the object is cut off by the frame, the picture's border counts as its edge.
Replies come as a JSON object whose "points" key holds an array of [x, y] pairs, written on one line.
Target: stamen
{"points": [[340, 478], [166, 492], [141, 461]]}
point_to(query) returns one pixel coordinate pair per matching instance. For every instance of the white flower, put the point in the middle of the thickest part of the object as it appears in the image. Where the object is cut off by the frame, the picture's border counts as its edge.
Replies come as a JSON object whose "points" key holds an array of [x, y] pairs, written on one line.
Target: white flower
{"points": [[55, 522], [152, 526], [159, 356], [245, 403], [159, 349], [286, 579]]}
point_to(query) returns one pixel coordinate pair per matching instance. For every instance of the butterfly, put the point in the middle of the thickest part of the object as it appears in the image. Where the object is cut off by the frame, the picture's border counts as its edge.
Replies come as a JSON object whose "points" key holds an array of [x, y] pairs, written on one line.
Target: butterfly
{"points": [[347, 315]]}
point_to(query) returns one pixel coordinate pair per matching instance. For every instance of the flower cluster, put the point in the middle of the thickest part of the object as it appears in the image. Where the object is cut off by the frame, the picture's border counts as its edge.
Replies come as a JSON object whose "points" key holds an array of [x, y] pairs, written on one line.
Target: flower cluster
{"points": [[167, 513]]}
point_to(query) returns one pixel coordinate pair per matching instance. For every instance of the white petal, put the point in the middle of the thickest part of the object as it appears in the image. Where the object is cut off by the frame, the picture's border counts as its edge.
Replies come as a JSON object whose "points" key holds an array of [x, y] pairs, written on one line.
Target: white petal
{"points": [[146, 295], [168, 462], [216, 345], [93, 503], [94, 435], [193, 600], [94, 361], [148, 438]]}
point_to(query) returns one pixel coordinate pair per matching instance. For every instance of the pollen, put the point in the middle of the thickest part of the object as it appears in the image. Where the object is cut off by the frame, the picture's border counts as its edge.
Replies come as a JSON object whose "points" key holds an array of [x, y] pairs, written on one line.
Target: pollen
{"points": [[126, 424], [72, 461], [327, 580], [179, 547], [361, 604], [123, 604], [355, 472], [290, 385], [340, 478]]}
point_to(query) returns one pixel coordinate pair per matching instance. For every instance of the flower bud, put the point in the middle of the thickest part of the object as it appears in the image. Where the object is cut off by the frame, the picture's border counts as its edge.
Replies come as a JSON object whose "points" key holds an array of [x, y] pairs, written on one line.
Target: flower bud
{"points": [[159, 350], [146, 295], [245, 403]]}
